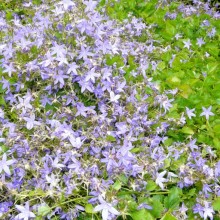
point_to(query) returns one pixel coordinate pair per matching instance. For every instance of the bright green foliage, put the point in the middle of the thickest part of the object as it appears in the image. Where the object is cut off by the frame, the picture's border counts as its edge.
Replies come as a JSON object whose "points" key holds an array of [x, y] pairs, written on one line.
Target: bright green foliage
{"points": [[142, 214], [173, 199]]}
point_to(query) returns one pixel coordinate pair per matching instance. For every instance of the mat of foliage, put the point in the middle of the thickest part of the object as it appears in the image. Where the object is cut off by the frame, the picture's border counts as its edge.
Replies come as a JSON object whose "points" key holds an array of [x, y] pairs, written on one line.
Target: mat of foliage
{"points": [[109, 110]]}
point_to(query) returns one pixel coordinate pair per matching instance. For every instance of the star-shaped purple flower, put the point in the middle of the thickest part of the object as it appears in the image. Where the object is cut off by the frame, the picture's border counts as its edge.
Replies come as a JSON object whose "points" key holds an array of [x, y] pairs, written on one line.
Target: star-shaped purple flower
{"points": [[207, 112]]}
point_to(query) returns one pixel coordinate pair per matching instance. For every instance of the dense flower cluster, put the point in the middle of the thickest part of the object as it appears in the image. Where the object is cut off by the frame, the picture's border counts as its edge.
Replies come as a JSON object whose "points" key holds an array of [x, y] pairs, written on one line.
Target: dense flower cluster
{"points": [[82, 124]]}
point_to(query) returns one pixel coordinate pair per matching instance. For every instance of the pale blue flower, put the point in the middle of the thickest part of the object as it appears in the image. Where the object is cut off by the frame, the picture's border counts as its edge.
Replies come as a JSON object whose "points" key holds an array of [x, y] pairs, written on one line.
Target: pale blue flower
{"points": [[207, 112], [25, 214], [160, 180], [4, 164], [105, 208], [190, 112], [187, 44]]}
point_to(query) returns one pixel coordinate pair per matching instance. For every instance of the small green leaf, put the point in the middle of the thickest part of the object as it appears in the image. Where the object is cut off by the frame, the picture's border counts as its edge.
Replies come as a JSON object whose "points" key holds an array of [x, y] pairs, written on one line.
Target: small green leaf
{"points": [[151, 185], [110, 138], [216, 204], [161, 65], [117, 185], [168, 216], [157, 207], [187, 130], [89, 208], [170, 29], [216, 142], [123, 178], [44, 210], [4, 148], [142, 214], [211, 67], [216, 129], [2, 101], [191, 193], [174, 80], [173, 199], [36, 2]]}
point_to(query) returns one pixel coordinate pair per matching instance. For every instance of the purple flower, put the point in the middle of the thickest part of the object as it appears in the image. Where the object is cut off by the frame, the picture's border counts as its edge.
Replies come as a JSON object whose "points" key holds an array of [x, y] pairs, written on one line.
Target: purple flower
{"points": [[67, 3], [145, 206], [106, 208], [113, 97], [187, 44], [81, 110], [190, 113], [200, 42], [4, 164], [31, 122], [9, 69], [72, 68], [183, 209], [207, 211], [52, 180], [177, 36], [206, 189], [56, 164], [84, 53], [198, 209], [217, 169], [4, 207], [86, 86], [76, 142], [207, 112], [91, 75], [90, 5], [60, 78], [192, 144], [110, 159], [25, 214], [212, 32], [160, 180], [24, 103]]}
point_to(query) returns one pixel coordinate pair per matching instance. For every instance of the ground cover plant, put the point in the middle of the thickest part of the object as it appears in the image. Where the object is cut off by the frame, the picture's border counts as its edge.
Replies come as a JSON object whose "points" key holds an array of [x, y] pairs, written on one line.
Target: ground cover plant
{"points": [[109, 110]]}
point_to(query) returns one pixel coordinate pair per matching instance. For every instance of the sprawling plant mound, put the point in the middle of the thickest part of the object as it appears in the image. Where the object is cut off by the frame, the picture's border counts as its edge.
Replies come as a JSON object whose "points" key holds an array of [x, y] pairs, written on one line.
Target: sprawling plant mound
{"points": [[86, 133]]}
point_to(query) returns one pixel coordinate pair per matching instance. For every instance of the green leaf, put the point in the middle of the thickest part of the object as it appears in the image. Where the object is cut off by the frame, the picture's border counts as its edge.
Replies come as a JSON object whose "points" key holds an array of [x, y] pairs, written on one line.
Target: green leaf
{"points": [[216, 142], [89, 208], [151, 185], [216, 129], [123, 178], [161, 65], [187, 130], [136, 150], [44, 210], [142, 214], [211, 67], [170, 29], [174, 80], [173, 199], [191, 193], [216, 204], [110, 138], [4, 148], [117, 185], [2, 100], [36, 2], [168, 216], [157, 207], [185, 90], [8, 15]]}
